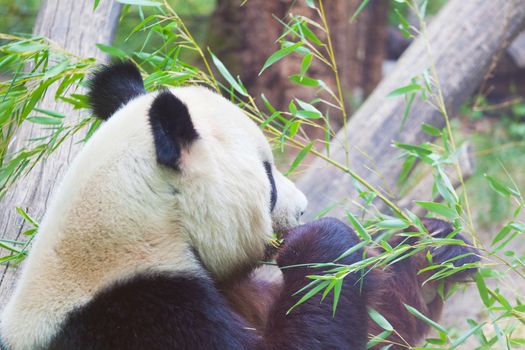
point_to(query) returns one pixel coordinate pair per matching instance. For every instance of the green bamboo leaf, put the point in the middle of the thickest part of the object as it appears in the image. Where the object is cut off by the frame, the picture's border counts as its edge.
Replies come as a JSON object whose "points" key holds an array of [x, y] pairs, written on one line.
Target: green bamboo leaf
{"points": [[25, 47], [56, 70], [404, 90], [310, 4], [325, 211], [423, 8], [505, 230], [389, 224], [425, 319], [279, 54], [351, 250], [44, 120], [337, 293], [305, 64], [465, 336], [501, 188], [327, 290], [420, 150], [379, 339], [359, 9], [518, 226], [112, 51], [294, 128], [408, 165], [379, 319], [404, 25], [309, 111], [299, 158], [408, 106], [9, 247], [309, 294], [50, 113], [226, 74], [361, 231], [431, 130], [7, 60], [438, 208], [310, 35], [304, 80], [482, 289], [140, 2], [26, 216]]}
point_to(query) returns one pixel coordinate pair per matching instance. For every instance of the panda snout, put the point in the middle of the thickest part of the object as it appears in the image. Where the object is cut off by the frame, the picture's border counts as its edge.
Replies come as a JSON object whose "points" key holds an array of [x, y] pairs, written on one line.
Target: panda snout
{"points": [[299, 213]]}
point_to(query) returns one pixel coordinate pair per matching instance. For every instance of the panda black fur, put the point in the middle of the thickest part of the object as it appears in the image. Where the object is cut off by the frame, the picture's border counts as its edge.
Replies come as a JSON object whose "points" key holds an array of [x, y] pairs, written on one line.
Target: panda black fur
{"points": [[174, 194]]}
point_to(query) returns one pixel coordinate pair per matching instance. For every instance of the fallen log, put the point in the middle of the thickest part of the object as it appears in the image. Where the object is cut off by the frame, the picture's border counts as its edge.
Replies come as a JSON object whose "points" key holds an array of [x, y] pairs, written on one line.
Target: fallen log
{"points": [[464, 37]]}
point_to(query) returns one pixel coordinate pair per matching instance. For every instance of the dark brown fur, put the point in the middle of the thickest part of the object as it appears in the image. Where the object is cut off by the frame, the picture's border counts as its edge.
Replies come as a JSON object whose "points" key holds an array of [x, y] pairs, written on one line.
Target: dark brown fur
{"points": [[394, 287]]}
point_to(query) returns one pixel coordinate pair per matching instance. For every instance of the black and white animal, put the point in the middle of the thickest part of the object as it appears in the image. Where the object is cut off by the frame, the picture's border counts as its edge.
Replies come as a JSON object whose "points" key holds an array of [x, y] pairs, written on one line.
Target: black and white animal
{"points": [[175, 193], [169, 206]]}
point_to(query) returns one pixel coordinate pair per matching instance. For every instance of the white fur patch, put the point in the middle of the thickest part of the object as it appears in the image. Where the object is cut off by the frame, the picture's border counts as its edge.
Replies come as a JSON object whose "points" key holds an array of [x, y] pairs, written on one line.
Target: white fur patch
{"points": [[117, 213]]}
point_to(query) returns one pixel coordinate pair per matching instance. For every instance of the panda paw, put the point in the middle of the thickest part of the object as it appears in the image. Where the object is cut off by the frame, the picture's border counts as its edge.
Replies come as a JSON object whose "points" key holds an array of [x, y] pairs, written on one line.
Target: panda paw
{"points": [[319, 241]]}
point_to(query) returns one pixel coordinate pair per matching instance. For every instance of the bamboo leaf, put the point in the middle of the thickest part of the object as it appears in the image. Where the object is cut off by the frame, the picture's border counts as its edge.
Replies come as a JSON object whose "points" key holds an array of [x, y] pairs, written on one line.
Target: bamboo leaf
{"points": [[279, 54], [425, 319], [361, 231], [309, 294], [226, 74], [112, 51], [482, 289], [359, 9], [438, 208], [299, 158], [392, 224], [404, 90], [337, 293], [140, 2], [501, 188], [380, 320], [351, 250], [305, 64]]}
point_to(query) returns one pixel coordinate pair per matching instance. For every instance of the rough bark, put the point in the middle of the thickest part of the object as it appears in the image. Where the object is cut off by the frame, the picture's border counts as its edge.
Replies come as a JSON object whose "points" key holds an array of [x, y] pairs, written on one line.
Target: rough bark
{"points": [[244, 37], [464, 38], [76, 27]]}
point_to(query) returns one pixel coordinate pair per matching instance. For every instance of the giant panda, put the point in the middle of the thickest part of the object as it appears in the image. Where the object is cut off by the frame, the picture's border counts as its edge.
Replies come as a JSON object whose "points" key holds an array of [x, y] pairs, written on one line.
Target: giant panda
{"points": [[152, 238], [175, 194]]}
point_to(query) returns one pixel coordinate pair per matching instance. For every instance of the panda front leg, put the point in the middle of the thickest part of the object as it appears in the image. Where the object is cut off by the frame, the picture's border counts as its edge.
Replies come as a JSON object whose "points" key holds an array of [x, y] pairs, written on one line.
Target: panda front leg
{"points": [[265, 296], [388, 290], [312, 324], [402, 284]]}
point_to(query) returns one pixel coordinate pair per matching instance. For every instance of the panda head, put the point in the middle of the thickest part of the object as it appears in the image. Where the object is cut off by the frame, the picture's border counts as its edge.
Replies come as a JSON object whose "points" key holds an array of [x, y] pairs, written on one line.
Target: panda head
{"points": [[182, 165]]}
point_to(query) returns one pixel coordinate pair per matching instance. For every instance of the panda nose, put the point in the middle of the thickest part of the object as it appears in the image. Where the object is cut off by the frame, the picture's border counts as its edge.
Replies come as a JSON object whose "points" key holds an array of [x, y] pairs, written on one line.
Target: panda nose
{"points": [[299, 214]]}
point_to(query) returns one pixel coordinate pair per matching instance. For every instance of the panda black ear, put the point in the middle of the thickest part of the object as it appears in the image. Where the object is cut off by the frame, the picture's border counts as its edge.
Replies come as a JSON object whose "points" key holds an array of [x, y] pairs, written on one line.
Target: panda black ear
{"points": [[113, 86], [172, 128]]}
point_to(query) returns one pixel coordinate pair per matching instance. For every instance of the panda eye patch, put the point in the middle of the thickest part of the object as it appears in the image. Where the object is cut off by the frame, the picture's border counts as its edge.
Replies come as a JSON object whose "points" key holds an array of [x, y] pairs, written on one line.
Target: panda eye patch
{"points": [[273, 193]]}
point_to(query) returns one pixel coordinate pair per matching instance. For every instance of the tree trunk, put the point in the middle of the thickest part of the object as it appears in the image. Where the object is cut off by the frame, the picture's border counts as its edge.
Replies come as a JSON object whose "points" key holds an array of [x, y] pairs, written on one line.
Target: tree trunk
{"points": [[243, 37], [77, 28], [464, 37]]}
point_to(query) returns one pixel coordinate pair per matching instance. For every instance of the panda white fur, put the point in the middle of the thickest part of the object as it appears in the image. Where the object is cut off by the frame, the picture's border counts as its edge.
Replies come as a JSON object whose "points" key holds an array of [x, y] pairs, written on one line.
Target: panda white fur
{"points": [[175, 193]]}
